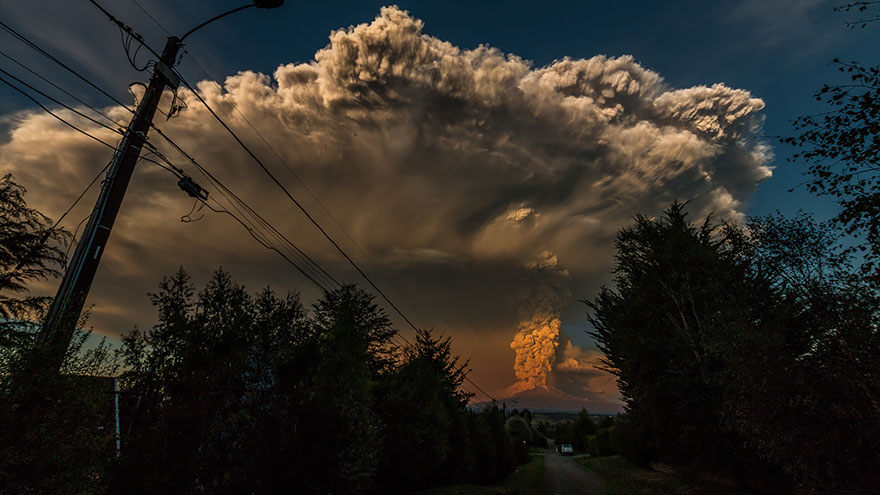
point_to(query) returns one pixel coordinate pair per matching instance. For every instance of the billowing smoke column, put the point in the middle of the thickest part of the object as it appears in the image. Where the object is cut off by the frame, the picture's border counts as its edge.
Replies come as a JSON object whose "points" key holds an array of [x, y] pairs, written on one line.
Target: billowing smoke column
{"points": [[453, 168], [538, 309]]}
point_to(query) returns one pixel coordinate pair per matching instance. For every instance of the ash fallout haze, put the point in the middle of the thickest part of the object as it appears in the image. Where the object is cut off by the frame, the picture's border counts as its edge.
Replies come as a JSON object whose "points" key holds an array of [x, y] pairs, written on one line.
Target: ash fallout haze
{"points": [[481, 157]]}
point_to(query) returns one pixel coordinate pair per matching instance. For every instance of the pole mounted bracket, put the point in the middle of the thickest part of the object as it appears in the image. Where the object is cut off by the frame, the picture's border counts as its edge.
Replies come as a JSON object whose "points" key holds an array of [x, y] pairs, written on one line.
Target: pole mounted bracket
{"points": [[171, 77]]}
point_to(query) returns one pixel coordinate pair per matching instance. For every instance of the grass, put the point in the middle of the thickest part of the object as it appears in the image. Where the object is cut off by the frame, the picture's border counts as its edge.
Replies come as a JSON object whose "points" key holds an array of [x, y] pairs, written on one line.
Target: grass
{"points": [[623, 478], [528, 479]]}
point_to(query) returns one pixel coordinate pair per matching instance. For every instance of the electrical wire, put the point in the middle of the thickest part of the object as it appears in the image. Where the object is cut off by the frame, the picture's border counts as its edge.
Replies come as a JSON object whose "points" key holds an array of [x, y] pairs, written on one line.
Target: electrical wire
{"points": [[314, 197], [177, 173], [302, 183], [48, 55], [50, 112], [295, 202], [49, 231], [249, 226], [312, 220], [125, 27], [248, 210], [250, 219], [267, 245], [59, 88], [132, 58], [44, 95], [43, 52], [381, 293], [151, 17], [257, 226]]}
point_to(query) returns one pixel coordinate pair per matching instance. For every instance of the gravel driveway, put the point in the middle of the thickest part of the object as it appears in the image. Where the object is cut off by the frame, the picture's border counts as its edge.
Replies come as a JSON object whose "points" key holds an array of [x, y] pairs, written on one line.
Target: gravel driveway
{"points": [[563, 476]]}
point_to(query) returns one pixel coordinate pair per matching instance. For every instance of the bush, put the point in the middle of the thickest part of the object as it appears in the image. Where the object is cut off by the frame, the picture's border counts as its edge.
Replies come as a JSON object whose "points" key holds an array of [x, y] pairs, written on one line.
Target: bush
{"points": [[592, 445], [625, 439], [603, 443]]}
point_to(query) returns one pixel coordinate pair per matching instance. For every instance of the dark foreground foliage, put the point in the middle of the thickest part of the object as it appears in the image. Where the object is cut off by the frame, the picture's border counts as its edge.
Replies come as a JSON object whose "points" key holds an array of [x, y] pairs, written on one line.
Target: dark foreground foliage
{"points": [[749, 351], [242, 394], [54, 429], [229, 392], [233, 393]]}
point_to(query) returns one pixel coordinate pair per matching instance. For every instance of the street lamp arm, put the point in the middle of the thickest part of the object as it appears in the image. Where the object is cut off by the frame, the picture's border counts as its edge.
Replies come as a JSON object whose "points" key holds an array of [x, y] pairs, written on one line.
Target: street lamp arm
{"points": [[215, 18]]}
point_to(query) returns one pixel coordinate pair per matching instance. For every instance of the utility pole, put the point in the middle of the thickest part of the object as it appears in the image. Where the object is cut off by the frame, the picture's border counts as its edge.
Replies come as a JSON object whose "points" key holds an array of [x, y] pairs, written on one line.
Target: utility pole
{"points": [[61, 320]]}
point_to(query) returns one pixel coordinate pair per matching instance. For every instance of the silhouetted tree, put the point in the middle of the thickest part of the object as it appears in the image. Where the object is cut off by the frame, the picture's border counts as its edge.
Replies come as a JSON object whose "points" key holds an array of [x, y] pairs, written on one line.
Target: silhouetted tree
{"points": [[681, 300], [737, 342], [492, 449], [207, 377], [31, 249], [425, 437], [810, 401], [242, 394], [841, 148], [55, 428], [354, 337]]}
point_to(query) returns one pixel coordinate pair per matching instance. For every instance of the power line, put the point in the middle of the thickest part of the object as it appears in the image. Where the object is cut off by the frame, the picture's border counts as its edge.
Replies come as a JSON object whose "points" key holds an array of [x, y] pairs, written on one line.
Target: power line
{"points": [[314, 197], [174, 171], [251, 231], [126, 28], [50, 112], [297, 203], [255, 232], [246, 211], [44, 95], [236, 200], [151, 17], [248, 226], [51, 229], [132, 57], [139, 38], [48, 55], [80, 101], [311, 219], [302, 183], [268, 246]]}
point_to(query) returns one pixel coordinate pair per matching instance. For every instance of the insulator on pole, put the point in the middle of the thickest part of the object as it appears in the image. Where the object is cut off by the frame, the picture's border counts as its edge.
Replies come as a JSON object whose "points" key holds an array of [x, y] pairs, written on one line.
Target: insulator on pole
{"points": [[190, 187]]}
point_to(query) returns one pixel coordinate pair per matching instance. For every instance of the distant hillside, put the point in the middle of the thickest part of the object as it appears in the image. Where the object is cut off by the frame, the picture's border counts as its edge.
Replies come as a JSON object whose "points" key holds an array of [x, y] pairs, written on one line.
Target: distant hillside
{"points": [[550, 399]]}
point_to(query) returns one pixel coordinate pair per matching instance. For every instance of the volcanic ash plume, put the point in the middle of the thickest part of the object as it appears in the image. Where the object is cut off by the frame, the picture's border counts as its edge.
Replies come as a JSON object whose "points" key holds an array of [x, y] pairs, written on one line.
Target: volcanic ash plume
{"points": [[459, 165], [537, 336]]}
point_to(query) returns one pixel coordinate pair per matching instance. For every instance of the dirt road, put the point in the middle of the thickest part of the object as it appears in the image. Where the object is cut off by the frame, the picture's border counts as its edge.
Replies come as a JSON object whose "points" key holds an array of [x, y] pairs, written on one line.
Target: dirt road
{"points": [[562, 476]]}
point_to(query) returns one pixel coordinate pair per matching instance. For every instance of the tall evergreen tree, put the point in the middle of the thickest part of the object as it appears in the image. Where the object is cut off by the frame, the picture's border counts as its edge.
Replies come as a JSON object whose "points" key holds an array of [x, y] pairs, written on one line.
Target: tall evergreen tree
{"points": [[684, 308]]}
